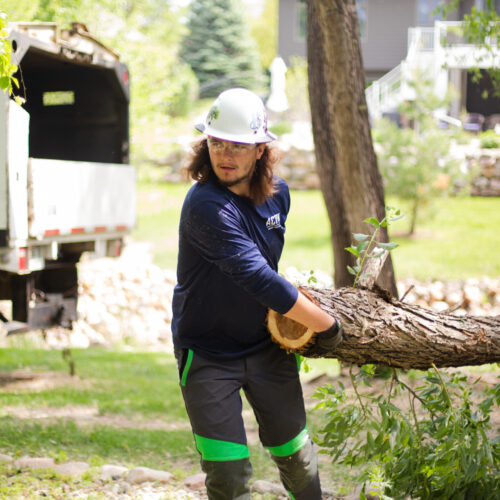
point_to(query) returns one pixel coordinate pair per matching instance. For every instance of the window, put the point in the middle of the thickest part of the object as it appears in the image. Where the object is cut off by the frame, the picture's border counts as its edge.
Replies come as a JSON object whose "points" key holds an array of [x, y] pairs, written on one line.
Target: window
{"points": [[426, 8], [301, 25]]}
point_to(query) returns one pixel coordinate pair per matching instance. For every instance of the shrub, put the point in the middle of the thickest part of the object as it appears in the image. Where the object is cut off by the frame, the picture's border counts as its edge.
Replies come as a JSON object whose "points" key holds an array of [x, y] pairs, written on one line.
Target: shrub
{"points": [[436, 447], [415, 165], [281, 128], [489, 139]]}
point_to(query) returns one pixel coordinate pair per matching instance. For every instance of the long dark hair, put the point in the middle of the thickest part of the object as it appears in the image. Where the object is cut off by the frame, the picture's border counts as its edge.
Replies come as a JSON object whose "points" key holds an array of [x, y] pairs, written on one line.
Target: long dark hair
{"points": [[262, 185]]}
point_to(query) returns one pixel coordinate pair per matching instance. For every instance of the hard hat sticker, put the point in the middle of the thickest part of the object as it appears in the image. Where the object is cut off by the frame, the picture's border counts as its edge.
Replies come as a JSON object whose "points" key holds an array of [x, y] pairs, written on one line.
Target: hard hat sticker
{"points": [[256, 122], [213, 114]]}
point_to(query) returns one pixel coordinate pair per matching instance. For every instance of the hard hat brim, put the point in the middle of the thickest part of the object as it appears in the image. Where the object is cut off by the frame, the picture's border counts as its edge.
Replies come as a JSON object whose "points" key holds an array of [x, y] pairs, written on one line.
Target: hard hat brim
{"points": [[244, 139]]}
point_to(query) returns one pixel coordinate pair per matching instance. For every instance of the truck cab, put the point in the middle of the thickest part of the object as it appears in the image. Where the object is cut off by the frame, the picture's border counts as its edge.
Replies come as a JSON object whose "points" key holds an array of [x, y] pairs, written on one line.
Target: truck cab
{"points": [[66, 185]]}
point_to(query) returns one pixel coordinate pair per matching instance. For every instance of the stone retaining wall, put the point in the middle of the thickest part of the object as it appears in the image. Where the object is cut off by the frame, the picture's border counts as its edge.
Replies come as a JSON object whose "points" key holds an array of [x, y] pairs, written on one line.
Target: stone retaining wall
{"points": [[487, 164], [298, 166]]}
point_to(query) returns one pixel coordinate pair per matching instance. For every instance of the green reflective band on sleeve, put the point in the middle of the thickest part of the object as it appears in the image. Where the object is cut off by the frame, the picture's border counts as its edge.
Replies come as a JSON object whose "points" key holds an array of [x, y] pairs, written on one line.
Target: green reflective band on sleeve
{"points": [[220, 451], [293, 446], [185, 371]]}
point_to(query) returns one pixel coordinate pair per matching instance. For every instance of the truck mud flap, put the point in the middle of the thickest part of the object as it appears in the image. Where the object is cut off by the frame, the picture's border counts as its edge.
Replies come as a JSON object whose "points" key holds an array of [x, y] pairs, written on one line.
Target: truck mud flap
{"points": [[42, 316], [13, 327], [55, 312]]}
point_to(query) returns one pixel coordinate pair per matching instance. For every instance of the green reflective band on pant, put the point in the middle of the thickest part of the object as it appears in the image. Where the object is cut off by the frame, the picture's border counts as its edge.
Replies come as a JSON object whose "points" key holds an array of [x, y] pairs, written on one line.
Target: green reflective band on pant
{"points": [[293, 446], [220, 451], [298, 358], [290, 495], [185, 371]]}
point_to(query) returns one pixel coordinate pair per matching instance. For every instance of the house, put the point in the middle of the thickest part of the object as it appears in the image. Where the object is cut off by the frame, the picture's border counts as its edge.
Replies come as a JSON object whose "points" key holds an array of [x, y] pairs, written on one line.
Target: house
{"points": [[397, 36]]}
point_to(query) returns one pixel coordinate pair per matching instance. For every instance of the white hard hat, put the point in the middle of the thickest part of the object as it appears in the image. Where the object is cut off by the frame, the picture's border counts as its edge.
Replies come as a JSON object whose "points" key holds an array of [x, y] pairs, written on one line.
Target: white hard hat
{"points": [[237, 115]]}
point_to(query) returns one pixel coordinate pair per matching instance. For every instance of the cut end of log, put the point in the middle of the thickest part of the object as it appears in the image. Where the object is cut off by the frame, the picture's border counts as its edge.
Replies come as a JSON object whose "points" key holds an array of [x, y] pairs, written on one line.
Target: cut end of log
{"points": [[286, 332]]}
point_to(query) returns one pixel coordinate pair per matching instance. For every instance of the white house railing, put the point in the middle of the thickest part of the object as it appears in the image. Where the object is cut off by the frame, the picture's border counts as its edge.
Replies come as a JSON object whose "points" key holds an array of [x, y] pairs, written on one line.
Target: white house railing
{"points": [[383, 92], [433, 49]]}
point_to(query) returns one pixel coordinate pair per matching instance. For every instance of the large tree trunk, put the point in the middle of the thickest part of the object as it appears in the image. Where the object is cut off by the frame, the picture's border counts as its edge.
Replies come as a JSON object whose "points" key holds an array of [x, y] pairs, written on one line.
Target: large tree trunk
{"points": [[346, 162], [382, 330]]}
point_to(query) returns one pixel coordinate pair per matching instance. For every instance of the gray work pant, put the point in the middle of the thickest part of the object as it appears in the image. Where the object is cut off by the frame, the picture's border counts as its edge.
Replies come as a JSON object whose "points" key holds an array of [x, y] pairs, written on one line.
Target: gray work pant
{"points": [[270, 381]]}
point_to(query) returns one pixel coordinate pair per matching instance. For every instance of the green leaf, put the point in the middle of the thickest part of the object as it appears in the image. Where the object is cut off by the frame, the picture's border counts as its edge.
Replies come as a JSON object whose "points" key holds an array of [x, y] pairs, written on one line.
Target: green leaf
{"points": [[362, 246], [388, 246], [360, 236], [370, 440], [372, 221], [353, 250], [368, 369], [4, 82], [351, 271], [392, 219]]}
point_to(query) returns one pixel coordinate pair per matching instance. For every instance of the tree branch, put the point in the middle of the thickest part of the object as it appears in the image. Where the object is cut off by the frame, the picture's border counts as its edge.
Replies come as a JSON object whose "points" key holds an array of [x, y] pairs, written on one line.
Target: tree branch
{"points": [[381, 330]]}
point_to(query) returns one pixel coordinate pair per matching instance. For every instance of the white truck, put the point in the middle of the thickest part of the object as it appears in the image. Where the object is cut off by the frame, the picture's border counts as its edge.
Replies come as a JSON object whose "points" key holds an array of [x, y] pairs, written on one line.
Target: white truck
{"points": [[66, 186]]}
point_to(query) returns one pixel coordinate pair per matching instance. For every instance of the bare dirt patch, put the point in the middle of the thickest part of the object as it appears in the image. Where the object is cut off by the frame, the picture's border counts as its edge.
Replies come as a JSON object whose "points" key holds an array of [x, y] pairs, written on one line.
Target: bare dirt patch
{"points": [[28, 381], [89, 416]]}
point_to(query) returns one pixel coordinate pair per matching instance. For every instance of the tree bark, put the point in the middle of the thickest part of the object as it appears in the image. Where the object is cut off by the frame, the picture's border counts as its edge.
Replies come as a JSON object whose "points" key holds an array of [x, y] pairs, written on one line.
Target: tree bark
{"points": [[381, 330], [346, 162]]}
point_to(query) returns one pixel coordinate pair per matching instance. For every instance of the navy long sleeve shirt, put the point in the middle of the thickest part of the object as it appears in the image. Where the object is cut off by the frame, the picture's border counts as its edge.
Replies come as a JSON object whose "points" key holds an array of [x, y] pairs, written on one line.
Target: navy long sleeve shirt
{"points": [[227, 275]]}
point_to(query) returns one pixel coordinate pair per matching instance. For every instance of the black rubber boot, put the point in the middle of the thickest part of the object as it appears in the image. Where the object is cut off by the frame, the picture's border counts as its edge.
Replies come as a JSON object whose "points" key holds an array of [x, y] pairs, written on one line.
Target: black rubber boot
{"points": [[299, 473], [227, 480]]}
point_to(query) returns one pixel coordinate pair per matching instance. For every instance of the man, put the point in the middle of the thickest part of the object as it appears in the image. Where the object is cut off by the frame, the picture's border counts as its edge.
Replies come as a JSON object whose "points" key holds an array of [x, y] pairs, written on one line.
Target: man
{"points": [[230, 240]]}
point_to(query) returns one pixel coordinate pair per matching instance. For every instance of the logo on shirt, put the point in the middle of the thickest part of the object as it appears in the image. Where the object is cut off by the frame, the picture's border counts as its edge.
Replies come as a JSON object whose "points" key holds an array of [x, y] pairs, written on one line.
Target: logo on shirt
{"points": [[273, 222]]}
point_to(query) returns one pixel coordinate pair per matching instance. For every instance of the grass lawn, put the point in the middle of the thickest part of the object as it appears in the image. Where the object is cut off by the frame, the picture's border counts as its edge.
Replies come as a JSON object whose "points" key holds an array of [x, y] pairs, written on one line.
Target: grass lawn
{"points": [[111, 383], [460, 239], [456, 237]]}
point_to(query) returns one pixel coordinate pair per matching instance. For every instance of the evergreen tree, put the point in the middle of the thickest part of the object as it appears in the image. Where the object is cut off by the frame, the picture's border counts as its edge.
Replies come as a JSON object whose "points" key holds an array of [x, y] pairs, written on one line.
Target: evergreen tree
{"points": [[219, 47]]}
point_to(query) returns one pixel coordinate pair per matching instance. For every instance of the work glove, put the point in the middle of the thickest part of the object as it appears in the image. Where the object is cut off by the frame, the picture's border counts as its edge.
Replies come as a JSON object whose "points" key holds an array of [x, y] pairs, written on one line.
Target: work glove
{"points": [[324, 342]]}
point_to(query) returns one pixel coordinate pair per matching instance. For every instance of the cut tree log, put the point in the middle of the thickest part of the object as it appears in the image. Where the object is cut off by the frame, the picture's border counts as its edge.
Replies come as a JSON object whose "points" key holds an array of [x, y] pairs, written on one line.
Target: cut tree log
{"points": [[382, 330]]}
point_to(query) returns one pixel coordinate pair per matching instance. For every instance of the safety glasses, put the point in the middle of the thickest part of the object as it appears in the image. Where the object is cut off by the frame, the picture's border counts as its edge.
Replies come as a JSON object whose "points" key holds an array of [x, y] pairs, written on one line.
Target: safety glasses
{"points": [[235, 148]]}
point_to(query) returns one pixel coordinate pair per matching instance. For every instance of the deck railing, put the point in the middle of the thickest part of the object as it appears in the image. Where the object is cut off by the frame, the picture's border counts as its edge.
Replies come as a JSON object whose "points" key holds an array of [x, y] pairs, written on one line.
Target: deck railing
{"points": [[432, 47]]}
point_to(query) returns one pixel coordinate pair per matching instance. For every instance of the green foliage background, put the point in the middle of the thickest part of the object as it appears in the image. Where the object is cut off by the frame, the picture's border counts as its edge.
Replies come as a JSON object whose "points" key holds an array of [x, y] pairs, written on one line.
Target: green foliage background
{"points": [[219, 47], [146, 35], [264, 30], [7, 69]]}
